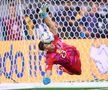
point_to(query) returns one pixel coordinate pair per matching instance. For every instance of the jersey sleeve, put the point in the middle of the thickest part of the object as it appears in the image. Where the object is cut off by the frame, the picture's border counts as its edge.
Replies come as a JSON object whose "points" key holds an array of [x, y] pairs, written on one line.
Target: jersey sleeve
{"points": [[49, 62], [56, 37]]}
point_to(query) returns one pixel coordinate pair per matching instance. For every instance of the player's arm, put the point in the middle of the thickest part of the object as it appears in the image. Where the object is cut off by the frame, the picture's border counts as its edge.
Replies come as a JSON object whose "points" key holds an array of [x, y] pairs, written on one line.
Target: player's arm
{"points": [[51, 25], [46, 79], [48, 71], [47, 19]]}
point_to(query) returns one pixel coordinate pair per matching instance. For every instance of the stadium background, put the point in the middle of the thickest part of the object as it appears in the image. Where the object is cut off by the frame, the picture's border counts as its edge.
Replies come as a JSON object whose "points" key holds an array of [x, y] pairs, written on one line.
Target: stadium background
{"points": [[82, 23]]}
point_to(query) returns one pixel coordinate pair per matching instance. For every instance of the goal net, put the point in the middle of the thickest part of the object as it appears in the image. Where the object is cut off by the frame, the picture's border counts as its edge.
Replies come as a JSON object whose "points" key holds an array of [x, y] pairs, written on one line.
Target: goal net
{"points": [[81, 23]]}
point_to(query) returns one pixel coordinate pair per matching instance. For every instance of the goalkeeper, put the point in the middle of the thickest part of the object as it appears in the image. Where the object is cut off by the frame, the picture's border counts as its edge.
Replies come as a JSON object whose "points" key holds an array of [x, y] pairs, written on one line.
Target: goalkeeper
{"points": [[57, 52]]}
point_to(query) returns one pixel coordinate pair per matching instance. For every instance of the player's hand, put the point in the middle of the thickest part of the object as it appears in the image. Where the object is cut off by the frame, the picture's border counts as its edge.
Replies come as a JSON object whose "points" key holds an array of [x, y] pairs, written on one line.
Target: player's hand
{"points": [[44, 8], [43, 11], [46, 80]]}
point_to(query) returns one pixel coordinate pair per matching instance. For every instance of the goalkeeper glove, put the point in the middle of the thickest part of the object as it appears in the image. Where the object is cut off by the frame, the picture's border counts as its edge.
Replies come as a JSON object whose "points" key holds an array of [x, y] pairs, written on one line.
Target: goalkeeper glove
{"points": [[43, 11], [46, 80]]}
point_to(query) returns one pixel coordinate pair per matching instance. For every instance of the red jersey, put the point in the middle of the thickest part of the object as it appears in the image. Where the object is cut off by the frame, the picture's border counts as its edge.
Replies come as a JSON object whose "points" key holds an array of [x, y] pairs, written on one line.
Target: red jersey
{"points": [[69, 58]]}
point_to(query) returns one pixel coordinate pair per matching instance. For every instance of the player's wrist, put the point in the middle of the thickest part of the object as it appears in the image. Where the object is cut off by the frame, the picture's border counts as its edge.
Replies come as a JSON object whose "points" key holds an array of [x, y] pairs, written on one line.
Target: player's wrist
{"points": [[43, 15]]}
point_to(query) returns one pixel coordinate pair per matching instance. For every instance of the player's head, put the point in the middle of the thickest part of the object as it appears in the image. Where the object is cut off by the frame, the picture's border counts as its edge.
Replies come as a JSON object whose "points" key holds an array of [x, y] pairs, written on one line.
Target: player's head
{"points": [[46, 47]]}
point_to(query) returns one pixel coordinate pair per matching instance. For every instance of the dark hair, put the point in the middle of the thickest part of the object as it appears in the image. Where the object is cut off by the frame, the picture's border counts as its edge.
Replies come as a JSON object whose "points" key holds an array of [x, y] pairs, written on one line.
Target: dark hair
{"points": [[41, 45]]}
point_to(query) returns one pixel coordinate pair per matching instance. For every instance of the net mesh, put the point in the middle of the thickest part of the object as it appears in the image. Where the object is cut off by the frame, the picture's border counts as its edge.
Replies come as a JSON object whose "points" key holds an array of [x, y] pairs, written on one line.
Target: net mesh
{"points": [[84, 22]]}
